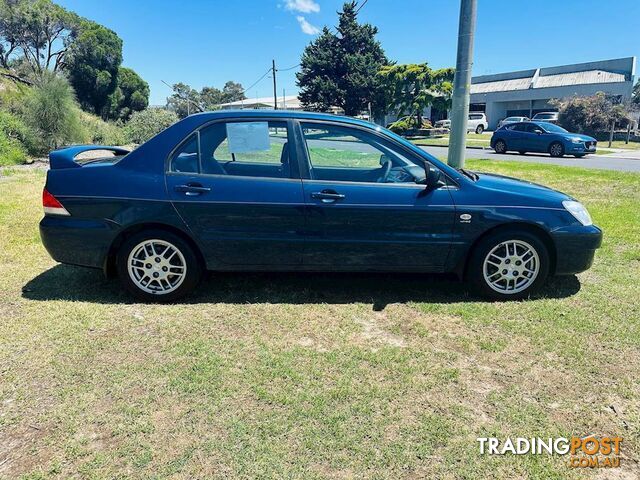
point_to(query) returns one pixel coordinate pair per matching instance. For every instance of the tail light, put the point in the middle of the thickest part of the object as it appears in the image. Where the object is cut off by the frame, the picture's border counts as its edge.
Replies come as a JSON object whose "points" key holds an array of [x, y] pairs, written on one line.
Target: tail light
{"points": [[51, 204]]}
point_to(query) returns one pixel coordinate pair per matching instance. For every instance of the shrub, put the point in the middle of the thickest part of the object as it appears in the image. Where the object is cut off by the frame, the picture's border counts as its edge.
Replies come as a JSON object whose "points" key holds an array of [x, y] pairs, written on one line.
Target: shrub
{"points": [[408, 124], [148, 123], [102, 133], [589, 115], [14, 129], [11, 150], [50, 109]]}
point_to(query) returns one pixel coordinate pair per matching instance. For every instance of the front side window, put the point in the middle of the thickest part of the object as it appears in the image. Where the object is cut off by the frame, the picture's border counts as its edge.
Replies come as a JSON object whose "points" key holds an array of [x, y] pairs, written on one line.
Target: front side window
{"points": [[351, 155], [252, 148]]}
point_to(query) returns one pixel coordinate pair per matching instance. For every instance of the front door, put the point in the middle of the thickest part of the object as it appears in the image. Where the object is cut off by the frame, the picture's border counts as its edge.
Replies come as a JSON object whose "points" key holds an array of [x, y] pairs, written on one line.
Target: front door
{"points": [[365, 209], [236, 185]]}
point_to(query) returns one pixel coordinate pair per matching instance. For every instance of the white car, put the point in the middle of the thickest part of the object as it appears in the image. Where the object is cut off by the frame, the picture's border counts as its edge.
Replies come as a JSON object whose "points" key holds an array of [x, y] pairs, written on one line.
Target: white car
{"points": [[508, 120], [549, 117], [477, 122]]}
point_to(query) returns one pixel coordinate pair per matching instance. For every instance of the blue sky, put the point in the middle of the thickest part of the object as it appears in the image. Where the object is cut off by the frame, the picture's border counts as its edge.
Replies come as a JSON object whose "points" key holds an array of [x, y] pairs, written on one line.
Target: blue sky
{"points": [[202, 42]]}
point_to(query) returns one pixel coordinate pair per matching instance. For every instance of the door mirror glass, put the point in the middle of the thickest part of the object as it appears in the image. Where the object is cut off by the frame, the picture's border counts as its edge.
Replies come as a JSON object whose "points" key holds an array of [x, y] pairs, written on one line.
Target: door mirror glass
{"points": [[433, 177]]}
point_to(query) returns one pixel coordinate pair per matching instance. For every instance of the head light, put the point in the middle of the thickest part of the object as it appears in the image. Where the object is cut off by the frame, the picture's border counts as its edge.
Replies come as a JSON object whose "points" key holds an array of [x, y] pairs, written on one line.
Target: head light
{"points": [[576, 140], [578, 211]]}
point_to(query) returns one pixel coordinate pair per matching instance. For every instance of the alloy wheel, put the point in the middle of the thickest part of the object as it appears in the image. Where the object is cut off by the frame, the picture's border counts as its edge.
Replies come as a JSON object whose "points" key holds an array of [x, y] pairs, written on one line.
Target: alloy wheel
{"points": [[556, 150], [511, 267], [156, 266]]}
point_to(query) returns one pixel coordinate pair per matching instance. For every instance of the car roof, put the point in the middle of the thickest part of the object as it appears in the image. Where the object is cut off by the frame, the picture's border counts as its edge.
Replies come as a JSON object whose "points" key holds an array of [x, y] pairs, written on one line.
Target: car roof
{"points": [[284, 114]]}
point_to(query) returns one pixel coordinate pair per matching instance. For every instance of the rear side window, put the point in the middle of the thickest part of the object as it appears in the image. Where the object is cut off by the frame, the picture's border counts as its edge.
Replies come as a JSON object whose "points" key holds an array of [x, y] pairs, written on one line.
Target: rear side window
{"points": [[253, 149], [185, 158]]}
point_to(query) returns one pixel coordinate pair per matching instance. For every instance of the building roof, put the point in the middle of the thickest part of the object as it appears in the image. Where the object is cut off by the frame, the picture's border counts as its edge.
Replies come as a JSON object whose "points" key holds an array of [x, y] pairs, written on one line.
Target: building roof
{"points": [[501, 85], [578, 78], [616, 70], [289, 101]]}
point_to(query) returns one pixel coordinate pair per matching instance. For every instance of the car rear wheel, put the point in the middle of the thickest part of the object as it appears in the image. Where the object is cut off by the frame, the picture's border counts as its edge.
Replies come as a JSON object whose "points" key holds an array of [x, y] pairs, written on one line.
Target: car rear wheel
{"points": [[158, 266], [556, 149], [509, 265], [500, 146], [479, 129]]}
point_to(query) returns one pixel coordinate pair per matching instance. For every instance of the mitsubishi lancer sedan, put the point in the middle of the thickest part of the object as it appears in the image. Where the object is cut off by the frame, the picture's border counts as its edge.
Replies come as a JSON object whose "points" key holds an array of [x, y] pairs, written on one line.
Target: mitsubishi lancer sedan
{"points": [[295, 191]]}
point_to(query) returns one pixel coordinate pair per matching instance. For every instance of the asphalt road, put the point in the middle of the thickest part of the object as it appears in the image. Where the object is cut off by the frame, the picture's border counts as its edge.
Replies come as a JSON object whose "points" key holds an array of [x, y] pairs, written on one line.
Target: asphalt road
{"points": [[624, 162]]}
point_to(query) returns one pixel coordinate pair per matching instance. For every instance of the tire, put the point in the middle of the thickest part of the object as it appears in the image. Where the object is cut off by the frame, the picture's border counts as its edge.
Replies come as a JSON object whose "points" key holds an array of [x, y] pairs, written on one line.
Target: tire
{"points": [[522, 152], [578, 155], [500, 146], [556, 149], [492, 282], [165, 256], [479, 129]]}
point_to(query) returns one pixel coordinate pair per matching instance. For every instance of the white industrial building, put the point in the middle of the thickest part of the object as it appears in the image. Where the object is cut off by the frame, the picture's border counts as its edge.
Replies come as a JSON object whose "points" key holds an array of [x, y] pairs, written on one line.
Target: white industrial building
{"points": [[528, 92]]}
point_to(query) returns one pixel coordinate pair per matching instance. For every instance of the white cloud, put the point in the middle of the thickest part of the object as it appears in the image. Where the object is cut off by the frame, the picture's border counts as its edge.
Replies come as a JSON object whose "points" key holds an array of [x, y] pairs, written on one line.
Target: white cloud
{"points": [[302, 6], [307, 27]]}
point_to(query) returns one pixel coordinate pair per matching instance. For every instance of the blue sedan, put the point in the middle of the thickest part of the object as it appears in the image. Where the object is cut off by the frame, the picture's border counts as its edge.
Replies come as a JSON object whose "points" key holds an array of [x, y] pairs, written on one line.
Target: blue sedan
{"points": [[541, 137], [291, 191]]}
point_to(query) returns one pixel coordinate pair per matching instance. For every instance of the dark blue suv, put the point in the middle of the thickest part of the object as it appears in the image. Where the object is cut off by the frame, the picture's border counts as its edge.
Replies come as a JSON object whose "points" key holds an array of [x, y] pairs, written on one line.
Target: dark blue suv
{"points": [[277, 190], [541, 137]]}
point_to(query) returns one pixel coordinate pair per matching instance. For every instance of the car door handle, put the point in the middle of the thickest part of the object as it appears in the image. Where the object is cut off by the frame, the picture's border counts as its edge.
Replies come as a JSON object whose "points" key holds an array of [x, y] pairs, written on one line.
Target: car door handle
{"points": [[192, 189], [327, 196]]}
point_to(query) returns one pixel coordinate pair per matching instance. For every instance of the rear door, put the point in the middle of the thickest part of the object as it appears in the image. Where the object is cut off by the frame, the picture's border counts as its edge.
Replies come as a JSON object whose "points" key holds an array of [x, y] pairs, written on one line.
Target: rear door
{"points": [[365, 210], [237, 187]]}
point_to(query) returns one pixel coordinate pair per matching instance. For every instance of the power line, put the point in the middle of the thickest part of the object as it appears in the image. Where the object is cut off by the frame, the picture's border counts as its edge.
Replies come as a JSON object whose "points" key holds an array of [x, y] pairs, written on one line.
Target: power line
{"points": [[290, 68], [257, 81], [360, 7]]}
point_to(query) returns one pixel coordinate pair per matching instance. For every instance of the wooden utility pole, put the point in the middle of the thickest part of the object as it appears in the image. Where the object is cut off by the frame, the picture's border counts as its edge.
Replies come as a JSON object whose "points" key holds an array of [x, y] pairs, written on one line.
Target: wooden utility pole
{"points": [[275, 94]]}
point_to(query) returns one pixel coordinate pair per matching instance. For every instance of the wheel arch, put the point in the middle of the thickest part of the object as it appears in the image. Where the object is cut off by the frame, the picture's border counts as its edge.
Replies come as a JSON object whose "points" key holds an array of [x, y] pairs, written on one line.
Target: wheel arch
{"points": [[532, 228], [109, 266]]}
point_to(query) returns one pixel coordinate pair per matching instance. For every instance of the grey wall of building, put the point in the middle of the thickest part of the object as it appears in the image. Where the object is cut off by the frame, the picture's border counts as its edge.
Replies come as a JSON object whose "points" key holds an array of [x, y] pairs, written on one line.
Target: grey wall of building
{"points": [[498, 104]]}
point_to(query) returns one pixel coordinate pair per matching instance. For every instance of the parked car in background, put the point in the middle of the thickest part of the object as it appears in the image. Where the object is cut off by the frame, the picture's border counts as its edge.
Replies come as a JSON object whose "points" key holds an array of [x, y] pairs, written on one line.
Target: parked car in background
{"points": [[477, 123], [288, 191], [508, 120], [541, 137], [549, 117]]}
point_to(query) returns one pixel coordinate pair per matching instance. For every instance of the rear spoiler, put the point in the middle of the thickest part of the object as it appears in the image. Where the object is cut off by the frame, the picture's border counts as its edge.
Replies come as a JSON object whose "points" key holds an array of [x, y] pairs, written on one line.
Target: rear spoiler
{"points": [[65, 157]]}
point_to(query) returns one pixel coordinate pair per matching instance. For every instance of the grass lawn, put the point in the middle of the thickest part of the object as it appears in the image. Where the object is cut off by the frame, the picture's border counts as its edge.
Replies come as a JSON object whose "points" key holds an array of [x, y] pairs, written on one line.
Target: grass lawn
{"points": [[316, 376]]}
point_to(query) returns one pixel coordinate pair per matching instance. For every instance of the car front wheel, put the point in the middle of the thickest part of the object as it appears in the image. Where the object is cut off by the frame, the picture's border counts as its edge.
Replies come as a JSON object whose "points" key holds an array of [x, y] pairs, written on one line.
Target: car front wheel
{"points": [[556, 149], [509, 265], [500, 146], [158, 266]]}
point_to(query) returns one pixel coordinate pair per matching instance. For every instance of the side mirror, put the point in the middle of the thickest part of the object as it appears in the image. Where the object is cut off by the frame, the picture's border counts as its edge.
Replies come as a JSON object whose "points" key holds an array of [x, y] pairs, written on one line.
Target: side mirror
{"points": [[433, 177], [538, 131]]}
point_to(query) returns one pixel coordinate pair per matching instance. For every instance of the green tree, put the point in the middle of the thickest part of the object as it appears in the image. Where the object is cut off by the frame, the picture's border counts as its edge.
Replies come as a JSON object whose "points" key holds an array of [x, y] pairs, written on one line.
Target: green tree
{"points": [[131, 95], [413, 87], [92, 62], [184, 100], [232, 92], [50, 109], [35, 36], [341, 69], [210, 98]]}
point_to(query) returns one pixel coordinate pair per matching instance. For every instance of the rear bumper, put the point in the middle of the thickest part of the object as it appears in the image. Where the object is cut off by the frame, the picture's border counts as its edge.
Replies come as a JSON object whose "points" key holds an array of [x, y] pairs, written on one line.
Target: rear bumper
{"points": [[77, 241], [575, 248]]}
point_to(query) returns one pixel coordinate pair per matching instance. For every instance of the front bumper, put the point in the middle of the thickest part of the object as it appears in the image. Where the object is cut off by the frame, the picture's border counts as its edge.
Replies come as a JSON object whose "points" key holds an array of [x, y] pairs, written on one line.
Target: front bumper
{"points": [[582, 147], [575, 248], [77, 241]]}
